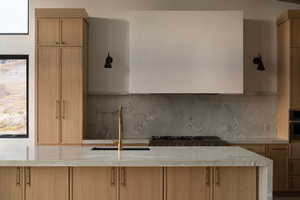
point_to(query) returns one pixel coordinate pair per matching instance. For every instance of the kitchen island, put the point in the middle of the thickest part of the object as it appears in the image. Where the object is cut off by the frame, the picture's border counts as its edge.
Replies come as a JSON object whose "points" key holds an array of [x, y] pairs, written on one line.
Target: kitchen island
{"points": [[162, 173]]}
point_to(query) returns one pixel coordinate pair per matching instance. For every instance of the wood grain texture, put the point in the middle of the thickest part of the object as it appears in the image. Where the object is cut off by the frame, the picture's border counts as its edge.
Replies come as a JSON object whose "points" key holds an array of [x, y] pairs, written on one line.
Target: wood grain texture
{"points": [[141, 183], [295, 33], [48, 183], [48, 93], [72, 31], [295, 76], [94, 183], [72, 95], [279, 154], [192, 183], [48, 31], [235, 183], [11, 183], [294, 148], [61, 12], [294, 167], [283, 79]]}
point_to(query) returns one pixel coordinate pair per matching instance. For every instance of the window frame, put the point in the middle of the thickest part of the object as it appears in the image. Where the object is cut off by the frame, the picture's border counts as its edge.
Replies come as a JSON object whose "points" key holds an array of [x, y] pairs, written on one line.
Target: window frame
{"points": [[26, 57], [25, 33]]}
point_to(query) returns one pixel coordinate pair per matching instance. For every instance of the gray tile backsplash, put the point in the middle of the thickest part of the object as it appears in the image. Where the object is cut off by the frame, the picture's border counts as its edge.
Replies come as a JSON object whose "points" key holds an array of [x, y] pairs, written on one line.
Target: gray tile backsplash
{"points": [[226, 116]]}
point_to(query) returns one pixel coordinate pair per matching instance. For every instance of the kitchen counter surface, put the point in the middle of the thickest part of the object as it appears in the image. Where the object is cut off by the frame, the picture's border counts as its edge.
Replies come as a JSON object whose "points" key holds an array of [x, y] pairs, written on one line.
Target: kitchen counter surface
{"points": [[73, 156], [157, 156]]}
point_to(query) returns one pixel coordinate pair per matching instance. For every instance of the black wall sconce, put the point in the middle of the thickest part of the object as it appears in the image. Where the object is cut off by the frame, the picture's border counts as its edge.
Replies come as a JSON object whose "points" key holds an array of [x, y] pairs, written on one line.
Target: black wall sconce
{"points": [[108, 61], [258, 61]]}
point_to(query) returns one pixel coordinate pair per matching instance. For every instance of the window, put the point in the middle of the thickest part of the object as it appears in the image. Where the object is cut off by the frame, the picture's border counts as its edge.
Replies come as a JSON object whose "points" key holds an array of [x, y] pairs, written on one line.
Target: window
{"points": [[14, 17], [13, 96]]}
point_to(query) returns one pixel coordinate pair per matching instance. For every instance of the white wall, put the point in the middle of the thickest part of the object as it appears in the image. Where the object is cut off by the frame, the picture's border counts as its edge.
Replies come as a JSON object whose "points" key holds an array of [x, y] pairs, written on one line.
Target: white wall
{"points": [[260, 36]]}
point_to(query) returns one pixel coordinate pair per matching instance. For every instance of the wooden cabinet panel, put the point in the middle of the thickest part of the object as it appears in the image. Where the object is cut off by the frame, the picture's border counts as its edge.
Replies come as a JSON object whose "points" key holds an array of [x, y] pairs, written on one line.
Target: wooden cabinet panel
{"points": [[11, 183], [295, 32], [294, 150], [47, 183], [295, 80], [279, 155], [294, 183], [72, 95], [48, 31], [69, 37], [48, 94], [94, 183], [294, 167], [256, 148], [235, 183], [192, 183], [141, 183]]}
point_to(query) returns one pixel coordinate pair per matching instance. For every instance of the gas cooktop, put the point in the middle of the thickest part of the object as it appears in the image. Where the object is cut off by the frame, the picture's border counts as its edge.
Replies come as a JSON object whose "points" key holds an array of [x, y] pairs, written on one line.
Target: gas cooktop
{"points": [[187, 141]]}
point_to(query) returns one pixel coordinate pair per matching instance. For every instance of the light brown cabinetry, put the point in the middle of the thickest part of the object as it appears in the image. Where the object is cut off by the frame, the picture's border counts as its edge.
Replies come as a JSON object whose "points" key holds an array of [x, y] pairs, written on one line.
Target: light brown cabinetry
{"points": [[141, 183], [94, 183], [34, 183], [279, 154], [48, 95], [47, 31], [235, 183], [219, 183], [11, 183], [61, 63], [47, 183], [72, 31], [193, 183]]}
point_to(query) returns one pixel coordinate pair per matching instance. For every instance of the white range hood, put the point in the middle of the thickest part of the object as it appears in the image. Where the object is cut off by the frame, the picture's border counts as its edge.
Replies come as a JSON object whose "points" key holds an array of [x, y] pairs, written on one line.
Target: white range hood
{"points": [[186, 52]]}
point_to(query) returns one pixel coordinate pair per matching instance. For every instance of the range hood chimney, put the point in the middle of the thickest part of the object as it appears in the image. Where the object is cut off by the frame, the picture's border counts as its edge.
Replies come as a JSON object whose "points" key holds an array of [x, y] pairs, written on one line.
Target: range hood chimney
{"points": [[291, 1]]}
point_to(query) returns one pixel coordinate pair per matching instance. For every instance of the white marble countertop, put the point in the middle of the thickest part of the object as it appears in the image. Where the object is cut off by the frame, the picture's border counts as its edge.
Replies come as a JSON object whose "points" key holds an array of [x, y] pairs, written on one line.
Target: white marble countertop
{"points": [[157, 156]]}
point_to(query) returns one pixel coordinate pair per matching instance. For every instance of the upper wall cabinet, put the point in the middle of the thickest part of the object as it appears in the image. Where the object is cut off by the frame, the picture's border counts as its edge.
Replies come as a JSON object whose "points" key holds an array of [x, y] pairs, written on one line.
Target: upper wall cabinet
{"points": [[186, 52]]}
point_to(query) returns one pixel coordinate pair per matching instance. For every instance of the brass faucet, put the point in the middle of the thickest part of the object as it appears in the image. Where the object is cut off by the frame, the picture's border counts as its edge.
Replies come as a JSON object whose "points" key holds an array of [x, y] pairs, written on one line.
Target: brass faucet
{"points": [[120, 128]]}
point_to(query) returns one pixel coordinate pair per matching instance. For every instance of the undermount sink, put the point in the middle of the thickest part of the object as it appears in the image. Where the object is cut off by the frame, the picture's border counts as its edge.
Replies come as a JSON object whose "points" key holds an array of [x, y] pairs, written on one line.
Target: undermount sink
{"points": [[123, 149]]}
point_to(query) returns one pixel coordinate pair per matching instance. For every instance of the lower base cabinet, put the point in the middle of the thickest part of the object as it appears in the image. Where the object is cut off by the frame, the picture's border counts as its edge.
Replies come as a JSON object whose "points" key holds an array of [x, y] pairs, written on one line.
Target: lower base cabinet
{"points": [[47, 183], [34, 183], [138, 183], [219, 183], [128, 183], [94, 183], [192, 183], [11, 183], [234, 183]]}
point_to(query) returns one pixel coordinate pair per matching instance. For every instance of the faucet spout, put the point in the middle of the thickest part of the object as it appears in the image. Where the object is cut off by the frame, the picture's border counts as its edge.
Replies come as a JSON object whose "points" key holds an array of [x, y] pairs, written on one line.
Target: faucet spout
{"points": [[120, 124]]}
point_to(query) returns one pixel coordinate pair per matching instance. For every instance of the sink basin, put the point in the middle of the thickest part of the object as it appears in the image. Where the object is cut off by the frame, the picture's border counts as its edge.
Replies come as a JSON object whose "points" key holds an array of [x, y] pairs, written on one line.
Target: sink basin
{"points": [[123, 149]]}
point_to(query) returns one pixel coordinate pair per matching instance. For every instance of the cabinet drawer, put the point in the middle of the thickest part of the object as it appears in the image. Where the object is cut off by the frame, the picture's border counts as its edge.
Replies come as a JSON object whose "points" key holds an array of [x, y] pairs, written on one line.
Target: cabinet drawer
{"points": [[294, 182], [294, 167], [256, 148], [295, 150]]}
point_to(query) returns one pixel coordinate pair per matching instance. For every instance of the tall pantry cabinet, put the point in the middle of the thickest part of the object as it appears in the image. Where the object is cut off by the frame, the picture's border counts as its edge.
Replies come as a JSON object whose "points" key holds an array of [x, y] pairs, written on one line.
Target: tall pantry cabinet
{"points": [[61, 62]]}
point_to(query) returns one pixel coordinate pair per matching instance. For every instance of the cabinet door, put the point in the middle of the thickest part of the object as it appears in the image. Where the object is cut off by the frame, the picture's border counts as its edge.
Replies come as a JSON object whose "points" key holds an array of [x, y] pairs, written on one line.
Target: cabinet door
{"points": [[47, 183], [191, 183], [295, 33], [72, 95], [141, 183], [94, 183], [11, 183], [295, 80], [48, 87], [48, 31], [235, 183], [71, 31], [279, 155]]}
